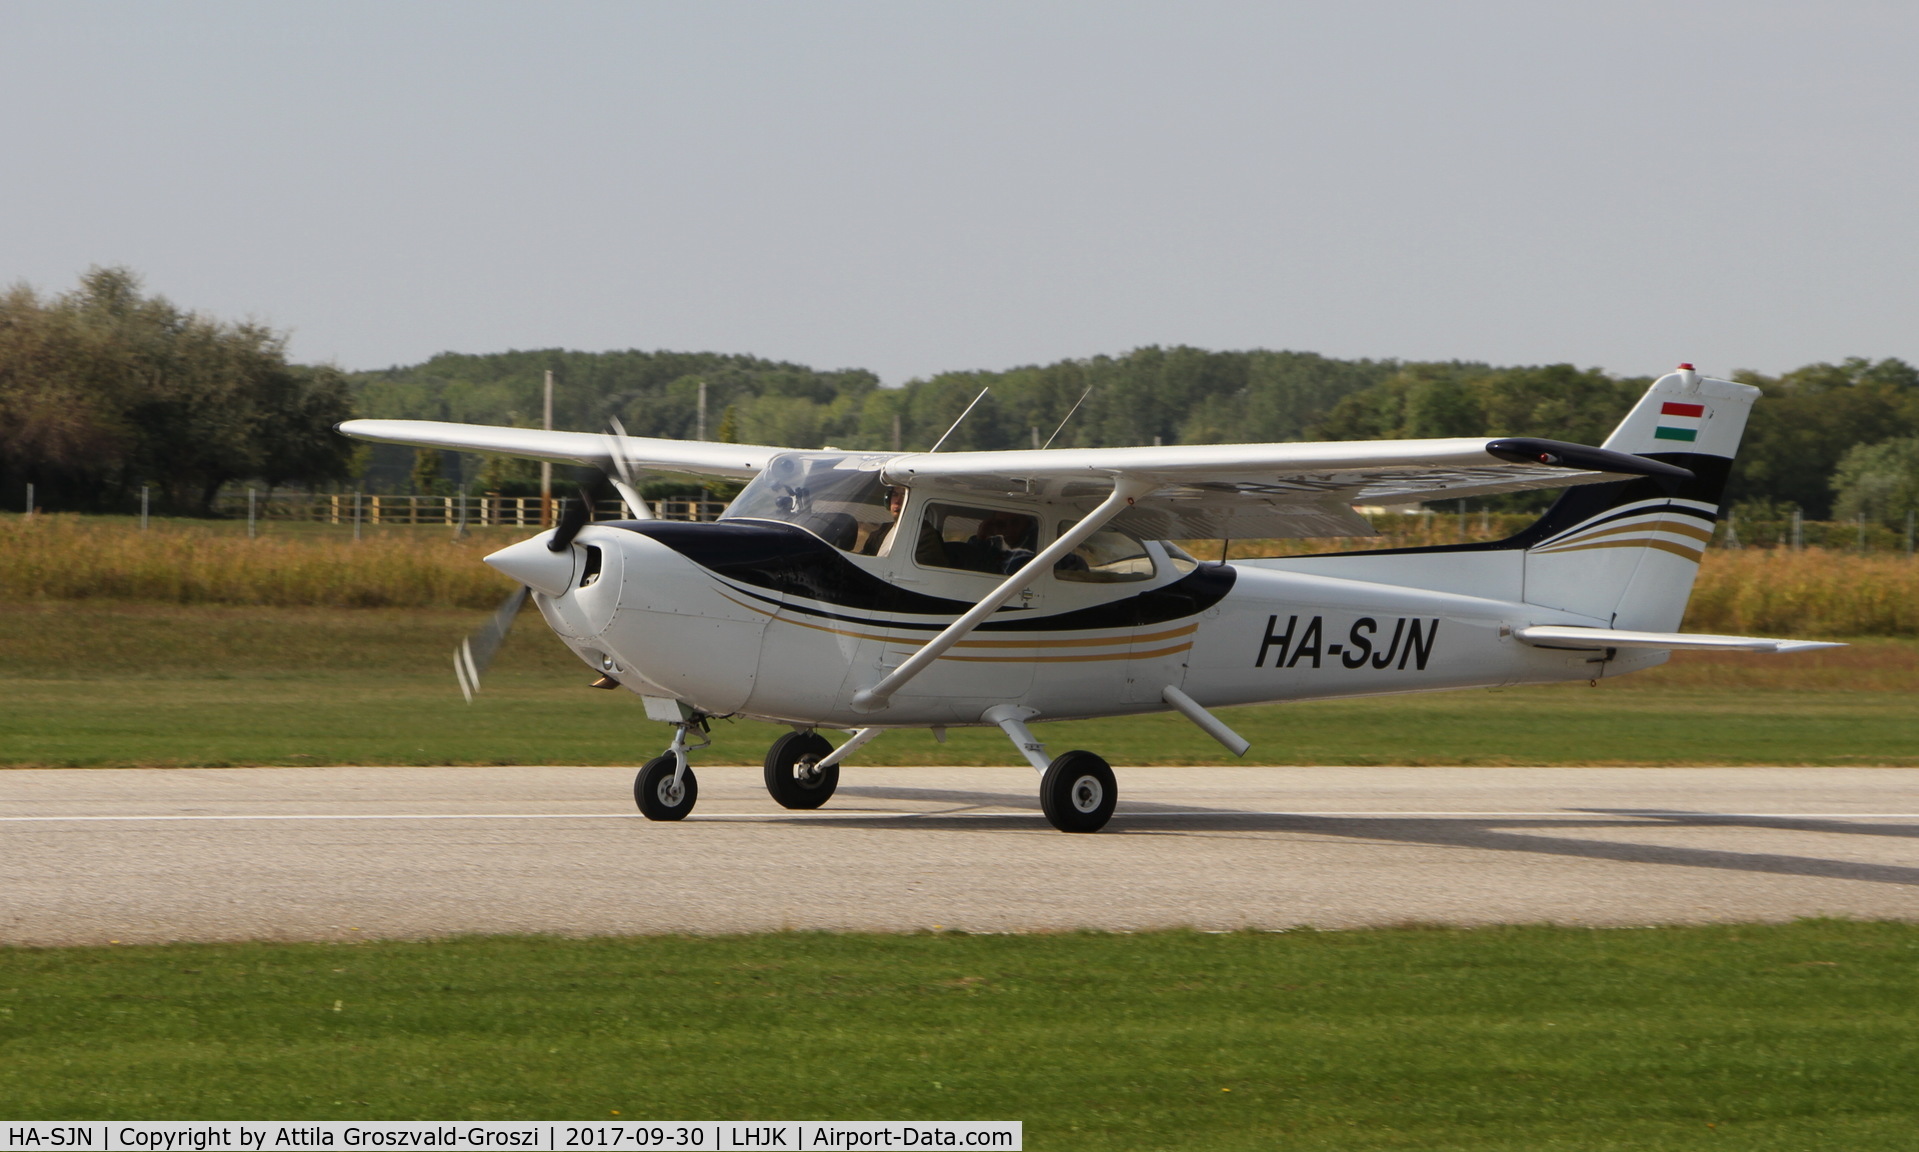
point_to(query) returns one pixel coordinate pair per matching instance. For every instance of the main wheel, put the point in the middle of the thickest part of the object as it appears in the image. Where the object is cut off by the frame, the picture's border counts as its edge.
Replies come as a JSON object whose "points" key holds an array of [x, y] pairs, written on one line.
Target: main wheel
{"points": [[793, 775], [658, 796], [1078, 792]]}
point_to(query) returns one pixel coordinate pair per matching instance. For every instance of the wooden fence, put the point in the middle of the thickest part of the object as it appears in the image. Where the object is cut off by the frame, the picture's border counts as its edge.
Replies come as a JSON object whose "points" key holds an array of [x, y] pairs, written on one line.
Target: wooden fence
{"points": [[475, 511]]}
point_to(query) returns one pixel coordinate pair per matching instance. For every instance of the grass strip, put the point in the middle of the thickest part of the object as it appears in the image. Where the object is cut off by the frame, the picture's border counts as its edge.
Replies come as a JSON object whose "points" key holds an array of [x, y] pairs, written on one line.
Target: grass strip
{"points": [[521, 720], [100, 684], [1781, 1036]]}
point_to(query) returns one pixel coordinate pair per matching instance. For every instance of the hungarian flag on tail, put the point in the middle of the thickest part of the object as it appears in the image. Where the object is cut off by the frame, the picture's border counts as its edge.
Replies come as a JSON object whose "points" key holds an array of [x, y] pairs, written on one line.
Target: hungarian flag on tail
{"points": [[1679, 421]]}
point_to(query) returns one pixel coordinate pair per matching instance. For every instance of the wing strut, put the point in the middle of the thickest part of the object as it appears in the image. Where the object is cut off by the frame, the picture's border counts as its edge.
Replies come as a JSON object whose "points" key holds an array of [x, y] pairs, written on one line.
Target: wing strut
{"points": [[1125, 491], [1208, 723]]}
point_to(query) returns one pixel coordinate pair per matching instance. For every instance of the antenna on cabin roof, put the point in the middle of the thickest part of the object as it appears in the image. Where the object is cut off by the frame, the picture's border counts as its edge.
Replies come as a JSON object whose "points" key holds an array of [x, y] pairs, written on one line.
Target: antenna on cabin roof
{"points": [[956, 423], [1069, 416]]}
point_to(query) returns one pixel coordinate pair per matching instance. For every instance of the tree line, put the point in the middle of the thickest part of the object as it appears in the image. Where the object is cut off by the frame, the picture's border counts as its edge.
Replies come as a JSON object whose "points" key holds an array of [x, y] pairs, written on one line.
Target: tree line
{"points": [[105, 388], [1829, 440]]}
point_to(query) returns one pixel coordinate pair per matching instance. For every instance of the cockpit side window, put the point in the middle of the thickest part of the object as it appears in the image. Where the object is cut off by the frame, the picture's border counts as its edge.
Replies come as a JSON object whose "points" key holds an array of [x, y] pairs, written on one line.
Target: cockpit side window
{"points": [[837, 496], [975, 539]]}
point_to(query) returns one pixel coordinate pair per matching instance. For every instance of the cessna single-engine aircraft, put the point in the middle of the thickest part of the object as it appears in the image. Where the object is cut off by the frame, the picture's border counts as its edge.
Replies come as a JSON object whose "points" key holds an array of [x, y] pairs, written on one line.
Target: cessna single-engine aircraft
{"points": [[865, 591]]}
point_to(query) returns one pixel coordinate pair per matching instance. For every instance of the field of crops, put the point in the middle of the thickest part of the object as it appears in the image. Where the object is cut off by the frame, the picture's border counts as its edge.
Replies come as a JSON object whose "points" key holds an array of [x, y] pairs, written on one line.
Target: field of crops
{"points": [[1811, 592]]}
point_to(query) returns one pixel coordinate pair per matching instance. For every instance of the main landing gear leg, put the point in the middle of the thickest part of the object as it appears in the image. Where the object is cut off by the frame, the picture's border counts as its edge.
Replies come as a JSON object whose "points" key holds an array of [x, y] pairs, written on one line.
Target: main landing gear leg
{"points": [[1077, 791], [666, 788], [802, 769]]}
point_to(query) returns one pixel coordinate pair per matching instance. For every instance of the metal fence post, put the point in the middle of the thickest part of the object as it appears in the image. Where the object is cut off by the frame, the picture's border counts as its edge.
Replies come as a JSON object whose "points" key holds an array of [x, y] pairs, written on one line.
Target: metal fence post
{"points": [[253, 511], [143, 507], [1798, 530], [356, 515], [1909, 518], [29, 499]]}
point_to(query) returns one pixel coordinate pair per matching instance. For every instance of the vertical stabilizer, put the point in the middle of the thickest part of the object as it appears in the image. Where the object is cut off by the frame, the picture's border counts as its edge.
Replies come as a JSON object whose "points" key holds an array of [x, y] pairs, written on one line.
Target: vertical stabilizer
{"points": [[1626, 553]]}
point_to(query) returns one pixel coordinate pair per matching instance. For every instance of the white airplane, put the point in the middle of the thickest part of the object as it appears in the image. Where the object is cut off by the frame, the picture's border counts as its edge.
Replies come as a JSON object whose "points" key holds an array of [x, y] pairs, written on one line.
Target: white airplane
{"points": [[866, 591]]}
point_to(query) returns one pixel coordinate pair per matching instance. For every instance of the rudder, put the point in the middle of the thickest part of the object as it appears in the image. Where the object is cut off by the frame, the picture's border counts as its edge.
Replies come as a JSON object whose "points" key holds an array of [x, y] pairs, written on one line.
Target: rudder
{"points": [[1627, 552]]}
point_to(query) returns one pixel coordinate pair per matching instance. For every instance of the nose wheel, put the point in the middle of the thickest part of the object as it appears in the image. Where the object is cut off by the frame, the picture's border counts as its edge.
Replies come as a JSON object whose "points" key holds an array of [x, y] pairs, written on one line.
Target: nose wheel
{"points": [[1078, 792], [794, 777], [666, 788], [662, 792]]}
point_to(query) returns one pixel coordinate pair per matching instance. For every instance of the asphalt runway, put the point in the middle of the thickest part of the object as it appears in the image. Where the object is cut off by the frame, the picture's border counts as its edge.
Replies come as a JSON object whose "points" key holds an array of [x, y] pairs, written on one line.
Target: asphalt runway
{"points": [[96, 856]]}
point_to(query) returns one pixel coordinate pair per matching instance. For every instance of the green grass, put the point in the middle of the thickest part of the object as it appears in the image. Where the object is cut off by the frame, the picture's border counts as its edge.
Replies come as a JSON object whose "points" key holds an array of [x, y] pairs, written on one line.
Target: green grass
{"points": [[1754, 1037], [527, 720], [105, 684]]}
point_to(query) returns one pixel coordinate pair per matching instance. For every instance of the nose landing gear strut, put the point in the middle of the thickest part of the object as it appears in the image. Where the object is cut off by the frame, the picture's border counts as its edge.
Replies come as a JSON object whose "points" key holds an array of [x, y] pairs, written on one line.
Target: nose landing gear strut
{"points": [[666, 788]]}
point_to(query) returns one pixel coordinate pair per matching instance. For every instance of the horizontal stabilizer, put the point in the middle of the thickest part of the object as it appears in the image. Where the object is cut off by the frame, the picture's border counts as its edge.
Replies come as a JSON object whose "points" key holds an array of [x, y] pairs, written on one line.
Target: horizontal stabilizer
{"points": [[1556, 636]]}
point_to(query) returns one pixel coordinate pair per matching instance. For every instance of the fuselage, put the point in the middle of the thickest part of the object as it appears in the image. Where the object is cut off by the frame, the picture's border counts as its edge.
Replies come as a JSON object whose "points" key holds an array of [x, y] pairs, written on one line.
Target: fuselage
{"points": [[769, 620]]}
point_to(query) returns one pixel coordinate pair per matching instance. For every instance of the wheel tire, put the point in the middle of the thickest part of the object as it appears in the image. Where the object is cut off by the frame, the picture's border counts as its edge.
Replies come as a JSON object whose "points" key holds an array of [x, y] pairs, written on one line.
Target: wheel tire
{"points": [[791, 780], [1078, 792], [654, 792]]}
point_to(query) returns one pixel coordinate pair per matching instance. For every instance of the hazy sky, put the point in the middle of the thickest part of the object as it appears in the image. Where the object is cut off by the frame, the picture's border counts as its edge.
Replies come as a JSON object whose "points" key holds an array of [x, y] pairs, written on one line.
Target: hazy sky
{"points": [[913, 187]]}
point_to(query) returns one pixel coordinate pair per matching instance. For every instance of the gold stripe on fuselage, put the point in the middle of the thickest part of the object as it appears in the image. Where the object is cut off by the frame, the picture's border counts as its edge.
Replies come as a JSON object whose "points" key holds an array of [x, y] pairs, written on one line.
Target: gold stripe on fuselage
{"points": [[1174, 650], [1672, 546], [1145, 638], [1703, 535]]}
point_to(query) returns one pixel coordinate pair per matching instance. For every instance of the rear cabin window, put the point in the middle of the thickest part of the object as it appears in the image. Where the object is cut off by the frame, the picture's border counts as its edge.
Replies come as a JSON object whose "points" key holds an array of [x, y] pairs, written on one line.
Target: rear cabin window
{"points": [[1108, 556], [975, 539]]}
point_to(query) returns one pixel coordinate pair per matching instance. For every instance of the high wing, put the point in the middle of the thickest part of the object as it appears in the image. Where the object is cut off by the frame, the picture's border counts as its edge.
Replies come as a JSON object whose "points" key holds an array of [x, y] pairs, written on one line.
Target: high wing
{"points": [[690, 457], [1197, 491], [1245, 491]]}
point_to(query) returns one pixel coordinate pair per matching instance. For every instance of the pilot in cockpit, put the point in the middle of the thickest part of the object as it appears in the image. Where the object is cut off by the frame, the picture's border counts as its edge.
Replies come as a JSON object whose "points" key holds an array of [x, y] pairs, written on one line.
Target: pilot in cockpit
{"points": [[877, 538]]}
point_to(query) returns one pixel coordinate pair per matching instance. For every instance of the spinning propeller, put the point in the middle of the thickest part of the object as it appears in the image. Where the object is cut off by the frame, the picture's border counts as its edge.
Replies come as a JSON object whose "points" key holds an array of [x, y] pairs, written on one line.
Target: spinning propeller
{"points": [[523, 562], [623, 478], [477, 651]]}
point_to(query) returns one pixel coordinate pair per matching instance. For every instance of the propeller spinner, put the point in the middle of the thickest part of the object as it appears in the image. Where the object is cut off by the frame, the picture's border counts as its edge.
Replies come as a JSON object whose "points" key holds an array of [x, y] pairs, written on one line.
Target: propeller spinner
{"points": [[540, 565]]}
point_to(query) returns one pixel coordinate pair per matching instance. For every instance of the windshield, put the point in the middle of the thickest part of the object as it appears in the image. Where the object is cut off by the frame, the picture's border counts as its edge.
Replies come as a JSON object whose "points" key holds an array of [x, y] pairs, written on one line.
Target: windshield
{"points": [[837, 496]]}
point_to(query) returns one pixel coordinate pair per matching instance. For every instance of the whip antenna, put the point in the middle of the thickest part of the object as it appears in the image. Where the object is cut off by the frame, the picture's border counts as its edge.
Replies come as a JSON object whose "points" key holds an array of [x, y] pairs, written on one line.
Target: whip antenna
{"points": [[956, 423], [1069, 416]]}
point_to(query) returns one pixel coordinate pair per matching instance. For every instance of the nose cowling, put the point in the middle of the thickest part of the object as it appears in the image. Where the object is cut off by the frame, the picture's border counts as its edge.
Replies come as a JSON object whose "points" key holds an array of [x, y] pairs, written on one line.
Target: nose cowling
{"points": [[535, 565]]}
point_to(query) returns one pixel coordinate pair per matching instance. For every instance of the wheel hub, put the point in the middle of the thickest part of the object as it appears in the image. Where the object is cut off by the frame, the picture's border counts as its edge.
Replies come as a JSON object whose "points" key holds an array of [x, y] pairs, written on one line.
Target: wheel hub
{"points": [[671, 792], [1087, 793]]}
